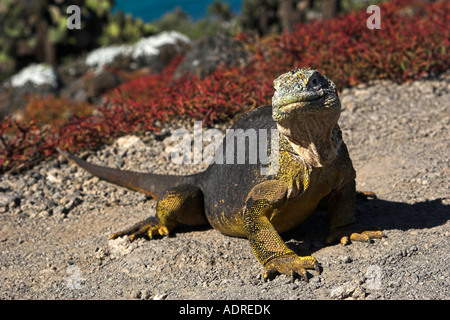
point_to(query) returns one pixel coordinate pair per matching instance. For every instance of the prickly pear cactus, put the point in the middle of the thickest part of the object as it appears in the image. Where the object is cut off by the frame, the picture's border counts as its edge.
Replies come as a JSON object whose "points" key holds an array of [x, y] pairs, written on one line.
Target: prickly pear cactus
{"points": [[36, 31]]}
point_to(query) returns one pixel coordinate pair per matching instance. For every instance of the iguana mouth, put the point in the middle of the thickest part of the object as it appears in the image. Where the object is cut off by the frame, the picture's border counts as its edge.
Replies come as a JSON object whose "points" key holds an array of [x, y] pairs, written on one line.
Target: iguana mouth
{"points": [[302, 101], [305, 106], [305, 102]]}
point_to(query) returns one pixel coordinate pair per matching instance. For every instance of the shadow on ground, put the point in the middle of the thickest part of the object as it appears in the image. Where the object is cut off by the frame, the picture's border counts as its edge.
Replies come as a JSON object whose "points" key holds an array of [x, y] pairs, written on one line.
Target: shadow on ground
{"points": [[383, 214], [379, 213]]}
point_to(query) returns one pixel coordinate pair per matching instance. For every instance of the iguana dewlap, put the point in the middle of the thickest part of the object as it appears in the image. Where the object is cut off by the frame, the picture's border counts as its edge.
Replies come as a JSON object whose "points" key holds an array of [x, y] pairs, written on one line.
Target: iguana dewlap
{"points": [[236, 199]]}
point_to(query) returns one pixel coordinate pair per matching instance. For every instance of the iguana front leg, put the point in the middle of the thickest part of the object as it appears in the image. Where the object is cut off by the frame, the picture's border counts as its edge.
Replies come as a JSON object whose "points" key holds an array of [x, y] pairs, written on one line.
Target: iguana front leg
{"points": [[266, 243], [341, 206]]}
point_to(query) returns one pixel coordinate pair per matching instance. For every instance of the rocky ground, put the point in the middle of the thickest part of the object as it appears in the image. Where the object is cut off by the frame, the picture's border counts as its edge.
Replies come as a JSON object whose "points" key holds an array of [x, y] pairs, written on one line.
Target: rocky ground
{"points": [[55, 219]]}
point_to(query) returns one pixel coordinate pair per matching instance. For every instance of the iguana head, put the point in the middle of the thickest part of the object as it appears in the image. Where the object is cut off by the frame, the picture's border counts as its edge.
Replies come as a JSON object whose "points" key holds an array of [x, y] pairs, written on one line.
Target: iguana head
{"points": [[303, 92], [306, 108]]}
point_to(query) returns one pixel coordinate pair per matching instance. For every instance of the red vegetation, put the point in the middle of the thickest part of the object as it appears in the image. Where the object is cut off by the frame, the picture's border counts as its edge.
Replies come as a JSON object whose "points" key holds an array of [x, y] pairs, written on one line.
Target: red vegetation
{"points": [[413, 40]]}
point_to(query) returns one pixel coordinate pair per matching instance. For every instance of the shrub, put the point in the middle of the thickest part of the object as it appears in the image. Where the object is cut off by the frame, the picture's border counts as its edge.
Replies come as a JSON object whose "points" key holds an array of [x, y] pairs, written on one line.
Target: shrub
{"points": [[413, 40], [407, 45], [54, 111]]}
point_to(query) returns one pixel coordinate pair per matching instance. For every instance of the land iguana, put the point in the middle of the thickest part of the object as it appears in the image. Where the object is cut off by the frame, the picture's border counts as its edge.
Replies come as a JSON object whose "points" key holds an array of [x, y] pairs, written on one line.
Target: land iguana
{"points": [[236, 199]]}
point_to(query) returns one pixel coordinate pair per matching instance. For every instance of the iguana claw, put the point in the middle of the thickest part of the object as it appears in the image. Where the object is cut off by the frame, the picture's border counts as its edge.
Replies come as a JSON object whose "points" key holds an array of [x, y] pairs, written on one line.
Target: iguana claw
{"points": [[290, 266], [365, 195], [146, 228], [353, 232], [365, 236]]}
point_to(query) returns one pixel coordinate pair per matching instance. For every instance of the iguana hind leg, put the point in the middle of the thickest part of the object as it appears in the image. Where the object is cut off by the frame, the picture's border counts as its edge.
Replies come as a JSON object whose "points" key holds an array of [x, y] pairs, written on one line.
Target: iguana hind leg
{"points": [[341, 206], [265, 241], [180, 204]]}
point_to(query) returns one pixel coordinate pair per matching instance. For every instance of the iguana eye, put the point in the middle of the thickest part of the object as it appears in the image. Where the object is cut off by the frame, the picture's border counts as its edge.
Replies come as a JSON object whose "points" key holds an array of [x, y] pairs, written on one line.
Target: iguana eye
{"points": [[315, 81]]}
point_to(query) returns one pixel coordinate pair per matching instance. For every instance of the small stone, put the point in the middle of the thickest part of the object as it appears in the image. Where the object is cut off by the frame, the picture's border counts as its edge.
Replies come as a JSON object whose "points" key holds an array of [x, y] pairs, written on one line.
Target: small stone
{"points": [[343, 291], [315, 280], [359, 293], [345, 259], [411, 250], [44, 214], [136, 294], [160, 296], [6, 199], [52, 177], [145, 295], [126, 142], [58, 210]]}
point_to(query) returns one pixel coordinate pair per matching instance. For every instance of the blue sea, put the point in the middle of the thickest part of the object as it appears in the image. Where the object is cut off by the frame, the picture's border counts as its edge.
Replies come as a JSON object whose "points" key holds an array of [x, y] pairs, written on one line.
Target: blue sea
{"points": [[150, 10]]}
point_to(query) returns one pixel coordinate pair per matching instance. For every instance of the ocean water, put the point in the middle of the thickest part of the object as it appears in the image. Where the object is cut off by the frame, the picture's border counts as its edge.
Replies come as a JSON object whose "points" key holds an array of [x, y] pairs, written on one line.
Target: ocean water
{"points": [[150, 10]]}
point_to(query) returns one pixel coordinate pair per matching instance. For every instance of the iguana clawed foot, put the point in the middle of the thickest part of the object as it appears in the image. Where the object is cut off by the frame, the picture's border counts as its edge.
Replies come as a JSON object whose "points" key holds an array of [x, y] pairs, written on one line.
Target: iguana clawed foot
{"points": [[147, 228], [291, 265], [365, 236], [353, 232], [365, 195]]}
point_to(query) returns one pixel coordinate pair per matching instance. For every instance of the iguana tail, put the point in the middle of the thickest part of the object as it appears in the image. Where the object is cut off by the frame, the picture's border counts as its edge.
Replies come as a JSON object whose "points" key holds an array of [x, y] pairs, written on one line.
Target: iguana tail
{"points": [[148, 183]]}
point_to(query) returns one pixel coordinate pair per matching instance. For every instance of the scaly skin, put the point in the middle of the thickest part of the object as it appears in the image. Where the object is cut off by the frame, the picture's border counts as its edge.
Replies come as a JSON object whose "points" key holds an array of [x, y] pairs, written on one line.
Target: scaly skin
{"points": [[237, 200]]}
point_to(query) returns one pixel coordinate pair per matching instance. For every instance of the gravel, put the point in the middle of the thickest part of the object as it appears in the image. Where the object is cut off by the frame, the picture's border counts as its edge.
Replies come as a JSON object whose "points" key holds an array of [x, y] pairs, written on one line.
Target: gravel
{"points": [[55, 219]]}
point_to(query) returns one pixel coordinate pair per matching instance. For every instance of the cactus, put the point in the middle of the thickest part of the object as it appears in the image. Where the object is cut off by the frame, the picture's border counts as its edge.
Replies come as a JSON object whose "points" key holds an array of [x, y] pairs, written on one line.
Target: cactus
{"points": [[58, 28], [39, 30], [101, 8]]}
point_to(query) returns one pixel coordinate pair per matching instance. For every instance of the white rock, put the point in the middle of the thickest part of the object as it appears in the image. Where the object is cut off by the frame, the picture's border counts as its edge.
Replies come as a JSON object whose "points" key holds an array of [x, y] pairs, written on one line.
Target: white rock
{"points": [[146, 47], [160, 296], [52, 176], [102, 56], [120, 247], [126, 142], [343, 291], [150, 46], [38, 74]]}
